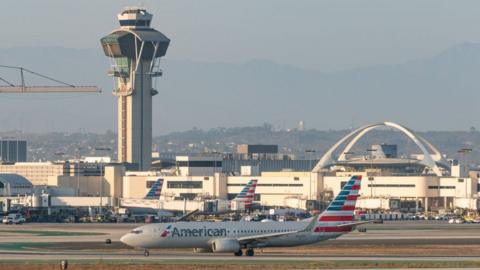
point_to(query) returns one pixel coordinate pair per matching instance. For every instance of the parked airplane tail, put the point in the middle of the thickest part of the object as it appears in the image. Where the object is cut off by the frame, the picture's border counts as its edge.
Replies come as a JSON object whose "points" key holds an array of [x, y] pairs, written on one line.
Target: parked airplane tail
{"points": [[339, 215], [155, 190], [247, 193]]}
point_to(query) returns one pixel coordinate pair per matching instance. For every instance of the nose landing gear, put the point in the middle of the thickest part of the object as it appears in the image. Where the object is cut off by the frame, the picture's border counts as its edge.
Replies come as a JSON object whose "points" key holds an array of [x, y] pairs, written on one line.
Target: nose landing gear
{"points": [[146, 253]]}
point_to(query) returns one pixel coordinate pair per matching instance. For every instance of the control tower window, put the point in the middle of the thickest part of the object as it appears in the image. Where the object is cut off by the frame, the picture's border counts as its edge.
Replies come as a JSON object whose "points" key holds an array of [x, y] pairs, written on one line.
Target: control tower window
{"points": [[134, 23]]}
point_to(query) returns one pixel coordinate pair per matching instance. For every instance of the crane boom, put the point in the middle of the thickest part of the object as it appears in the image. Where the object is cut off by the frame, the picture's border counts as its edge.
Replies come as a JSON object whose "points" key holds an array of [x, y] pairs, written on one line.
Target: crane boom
{"points": [[23, 88], [49, 89]]}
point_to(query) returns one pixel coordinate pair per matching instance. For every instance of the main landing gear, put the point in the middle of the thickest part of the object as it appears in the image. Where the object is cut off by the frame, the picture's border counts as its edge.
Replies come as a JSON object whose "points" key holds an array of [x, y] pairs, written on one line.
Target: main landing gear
{"points": [[249, 252], [146, 253]]}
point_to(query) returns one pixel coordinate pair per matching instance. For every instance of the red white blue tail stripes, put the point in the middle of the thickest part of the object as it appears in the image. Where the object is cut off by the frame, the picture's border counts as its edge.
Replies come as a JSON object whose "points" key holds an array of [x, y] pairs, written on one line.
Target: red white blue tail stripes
{"points": [[155, 190], [246, 195], [341, 209]]}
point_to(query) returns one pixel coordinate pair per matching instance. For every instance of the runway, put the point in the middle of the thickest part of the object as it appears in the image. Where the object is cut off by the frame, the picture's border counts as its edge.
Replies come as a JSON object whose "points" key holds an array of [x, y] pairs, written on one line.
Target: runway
{"points": [[416, 241], [185, 257]]}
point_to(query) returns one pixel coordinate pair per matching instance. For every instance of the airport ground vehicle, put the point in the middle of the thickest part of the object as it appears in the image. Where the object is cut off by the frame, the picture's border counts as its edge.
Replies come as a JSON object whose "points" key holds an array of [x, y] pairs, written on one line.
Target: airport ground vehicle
{"points": [[13, 219], [235, 236]]}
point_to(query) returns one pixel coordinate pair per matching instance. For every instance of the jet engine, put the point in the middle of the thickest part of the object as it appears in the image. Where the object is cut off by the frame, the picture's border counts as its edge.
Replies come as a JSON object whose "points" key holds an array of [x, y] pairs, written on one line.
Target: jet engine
{"points": [[225, 245]]}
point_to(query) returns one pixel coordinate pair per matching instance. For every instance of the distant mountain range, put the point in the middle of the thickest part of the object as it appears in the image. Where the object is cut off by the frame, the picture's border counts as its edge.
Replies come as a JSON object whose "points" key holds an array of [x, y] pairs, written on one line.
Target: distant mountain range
{"points": [[436, 93], [55, 145]]}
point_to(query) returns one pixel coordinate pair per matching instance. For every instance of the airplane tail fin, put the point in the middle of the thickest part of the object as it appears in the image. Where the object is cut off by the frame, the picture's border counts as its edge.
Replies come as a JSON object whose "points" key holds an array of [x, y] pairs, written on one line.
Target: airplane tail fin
{"points": [[247, 193], [340, 212], [155, 190]]}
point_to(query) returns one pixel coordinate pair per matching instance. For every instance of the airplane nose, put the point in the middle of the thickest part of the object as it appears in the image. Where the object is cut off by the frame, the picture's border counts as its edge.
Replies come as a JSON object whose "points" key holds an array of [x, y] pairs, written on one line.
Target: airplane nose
{"points": [[126, 239]]}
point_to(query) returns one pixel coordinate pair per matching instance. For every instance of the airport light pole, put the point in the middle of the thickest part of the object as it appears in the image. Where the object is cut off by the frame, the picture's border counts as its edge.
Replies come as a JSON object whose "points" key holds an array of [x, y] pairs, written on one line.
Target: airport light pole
{"points": [[61, 154], [310, 153], [464, 152], [102, 172], [370, 153], [214, 155], [78, 171]]}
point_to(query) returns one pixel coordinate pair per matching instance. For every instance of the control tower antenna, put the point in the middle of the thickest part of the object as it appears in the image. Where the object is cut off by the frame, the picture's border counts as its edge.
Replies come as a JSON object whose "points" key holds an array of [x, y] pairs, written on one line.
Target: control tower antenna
{"points": [[135, 49]]}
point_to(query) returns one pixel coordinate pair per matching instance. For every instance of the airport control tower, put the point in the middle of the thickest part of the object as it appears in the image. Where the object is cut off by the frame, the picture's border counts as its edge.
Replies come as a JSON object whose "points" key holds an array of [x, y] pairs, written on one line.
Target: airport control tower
{"points": [[135, 50]]}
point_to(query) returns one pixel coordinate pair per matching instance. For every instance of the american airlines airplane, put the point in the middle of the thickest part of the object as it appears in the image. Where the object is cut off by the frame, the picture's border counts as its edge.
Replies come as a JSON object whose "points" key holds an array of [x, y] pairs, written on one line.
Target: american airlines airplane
{"points": [[235, 236], [155, 190], [246, 195]]}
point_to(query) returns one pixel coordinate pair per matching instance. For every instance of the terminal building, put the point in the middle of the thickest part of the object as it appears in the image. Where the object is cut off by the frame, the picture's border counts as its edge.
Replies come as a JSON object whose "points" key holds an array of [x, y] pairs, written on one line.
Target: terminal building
{"points": [[36, 172], [417, 182], [14, 185], [423, 181], [39, 173]]}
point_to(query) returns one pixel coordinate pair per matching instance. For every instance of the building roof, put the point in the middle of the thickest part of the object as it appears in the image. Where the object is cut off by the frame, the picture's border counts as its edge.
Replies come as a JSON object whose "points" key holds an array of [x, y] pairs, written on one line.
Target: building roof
{"points": [[380, 161], [14, 179], [432, 158]]}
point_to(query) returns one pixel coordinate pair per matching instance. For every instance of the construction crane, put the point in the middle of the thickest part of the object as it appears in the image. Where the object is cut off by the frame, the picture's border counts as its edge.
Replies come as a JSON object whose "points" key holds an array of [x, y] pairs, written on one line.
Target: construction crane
{"points": [[23, 88]]}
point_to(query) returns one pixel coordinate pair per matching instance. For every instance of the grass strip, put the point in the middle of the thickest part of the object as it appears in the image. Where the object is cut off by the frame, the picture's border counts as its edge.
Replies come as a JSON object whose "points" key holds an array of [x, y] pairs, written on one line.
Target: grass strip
{"points": [[22, 246], [248, 263]]}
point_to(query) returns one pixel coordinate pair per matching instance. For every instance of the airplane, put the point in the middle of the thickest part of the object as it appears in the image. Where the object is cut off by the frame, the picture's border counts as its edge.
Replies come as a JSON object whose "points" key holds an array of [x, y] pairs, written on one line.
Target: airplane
{"points": [[246, 195], [148, 205], [155, 190], [233, 236]]}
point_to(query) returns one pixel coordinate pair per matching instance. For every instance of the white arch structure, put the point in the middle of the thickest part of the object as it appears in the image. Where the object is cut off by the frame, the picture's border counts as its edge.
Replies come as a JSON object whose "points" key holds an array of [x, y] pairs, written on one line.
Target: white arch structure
{"points": [[430, 160]]}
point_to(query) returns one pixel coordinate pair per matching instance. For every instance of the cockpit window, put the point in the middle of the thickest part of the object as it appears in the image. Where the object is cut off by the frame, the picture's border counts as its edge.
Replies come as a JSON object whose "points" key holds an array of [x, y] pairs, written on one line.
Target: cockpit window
{"points": [[136, 231]]}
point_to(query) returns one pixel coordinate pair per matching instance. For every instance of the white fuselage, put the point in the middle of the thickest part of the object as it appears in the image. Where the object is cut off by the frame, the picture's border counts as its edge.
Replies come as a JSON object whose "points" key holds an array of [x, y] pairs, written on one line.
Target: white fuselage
{"points": [[234, 236], [202, 234]]}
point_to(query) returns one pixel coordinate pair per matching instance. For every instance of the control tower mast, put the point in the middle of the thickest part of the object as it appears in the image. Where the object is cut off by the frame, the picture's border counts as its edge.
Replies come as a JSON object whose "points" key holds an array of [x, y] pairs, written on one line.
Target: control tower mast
{"points": [[135, 50]]}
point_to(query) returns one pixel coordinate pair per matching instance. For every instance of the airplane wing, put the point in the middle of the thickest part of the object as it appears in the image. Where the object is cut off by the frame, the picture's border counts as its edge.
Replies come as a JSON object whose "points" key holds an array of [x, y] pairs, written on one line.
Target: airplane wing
{"points": [[187, 215], [354, 223], [264, 237]]}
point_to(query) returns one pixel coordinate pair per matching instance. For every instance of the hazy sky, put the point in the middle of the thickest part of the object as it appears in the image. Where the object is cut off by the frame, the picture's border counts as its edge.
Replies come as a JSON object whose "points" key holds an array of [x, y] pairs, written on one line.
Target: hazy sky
{"points": [[313, 34], [316, 35]]}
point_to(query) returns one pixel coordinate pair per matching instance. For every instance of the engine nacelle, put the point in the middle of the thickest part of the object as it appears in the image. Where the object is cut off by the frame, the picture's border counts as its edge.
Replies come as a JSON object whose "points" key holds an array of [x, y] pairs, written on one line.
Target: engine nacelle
{"points": [[225, 245]]}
